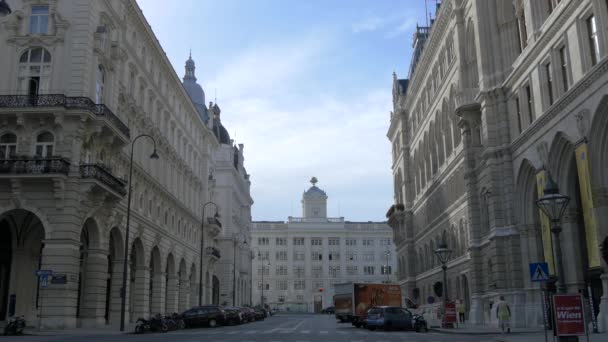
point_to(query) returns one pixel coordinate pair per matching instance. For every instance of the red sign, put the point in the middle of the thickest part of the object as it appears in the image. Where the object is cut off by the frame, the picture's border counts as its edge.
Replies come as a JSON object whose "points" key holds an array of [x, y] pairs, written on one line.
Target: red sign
{"points": [[569, 315], [449, 316]]}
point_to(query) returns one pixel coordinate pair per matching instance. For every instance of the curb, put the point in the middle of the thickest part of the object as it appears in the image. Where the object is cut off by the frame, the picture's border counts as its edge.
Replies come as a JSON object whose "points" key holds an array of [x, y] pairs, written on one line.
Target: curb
{"points": [[455, 332]]}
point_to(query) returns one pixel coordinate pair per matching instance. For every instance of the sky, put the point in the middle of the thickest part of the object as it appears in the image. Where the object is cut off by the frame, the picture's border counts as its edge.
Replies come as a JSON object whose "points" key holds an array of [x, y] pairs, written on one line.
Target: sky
{"points": [[306, 86]]}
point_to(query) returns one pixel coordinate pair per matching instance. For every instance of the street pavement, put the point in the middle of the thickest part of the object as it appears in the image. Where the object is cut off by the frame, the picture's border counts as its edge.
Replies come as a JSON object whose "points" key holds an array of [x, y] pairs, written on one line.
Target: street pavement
{"points": [[279, 328]]}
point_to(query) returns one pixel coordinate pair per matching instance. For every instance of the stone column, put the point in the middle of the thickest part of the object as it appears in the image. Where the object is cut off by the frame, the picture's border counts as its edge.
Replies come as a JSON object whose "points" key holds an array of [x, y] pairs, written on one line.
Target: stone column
{"points": [[172, 294], [600, 201], [58, 302], [602, 317], [157, 304], [184, 295], [115, 296], [140, 293], [93, 293]]}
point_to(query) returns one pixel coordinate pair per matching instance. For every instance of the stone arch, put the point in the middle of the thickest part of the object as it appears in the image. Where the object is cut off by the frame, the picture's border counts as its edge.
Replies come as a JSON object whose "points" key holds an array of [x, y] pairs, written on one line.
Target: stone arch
{"points": [[91, 271], [446, 127], [171, 285], [22, 235], [138, 281], [114, 277], [457, 134], [156, 284], [195, 287], [598, 145], [470, 57], [183, 287]]}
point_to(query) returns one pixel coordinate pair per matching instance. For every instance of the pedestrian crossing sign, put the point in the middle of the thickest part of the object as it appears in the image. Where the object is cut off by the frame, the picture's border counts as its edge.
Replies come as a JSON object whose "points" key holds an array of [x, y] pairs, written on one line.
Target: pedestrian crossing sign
{"points": [[539, 271]]}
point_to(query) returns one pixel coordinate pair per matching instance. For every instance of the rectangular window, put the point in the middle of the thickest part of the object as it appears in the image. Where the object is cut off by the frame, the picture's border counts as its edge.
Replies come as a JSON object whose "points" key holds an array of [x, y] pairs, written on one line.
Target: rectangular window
{"points": [[549, 76], [316, 242], [281, 255], [564, 68], [351, 270], [594, 45], [299, 284], [282, 285], [317, 271], [298, 241], [334, 241], [263, 241], [385, 242], [368, 270], [281, 242], [530, 104], [317, 256], [281, 299], [351, 242], [263, 270], [299, 272], [39, 20], [264, 255], [335, 256], [300, 298], [386, 270], [518, 111], [281, 270], [317, 285], [368, 242], [368, 257], [299, 256], [352, 256], [334, 271]]}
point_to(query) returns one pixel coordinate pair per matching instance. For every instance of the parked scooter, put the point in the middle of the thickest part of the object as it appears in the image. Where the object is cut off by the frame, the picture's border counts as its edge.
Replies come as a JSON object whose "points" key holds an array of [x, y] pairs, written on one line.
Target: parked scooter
{"points": [[15, 326], [419, 323], [156, 323]]}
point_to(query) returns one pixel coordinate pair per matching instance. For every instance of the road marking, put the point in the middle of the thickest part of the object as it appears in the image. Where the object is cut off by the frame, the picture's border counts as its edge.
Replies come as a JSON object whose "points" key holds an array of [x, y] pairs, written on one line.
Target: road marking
{"points": [[323, 332], [305, 332], [249, 332], [232, 332], [298, 325]]}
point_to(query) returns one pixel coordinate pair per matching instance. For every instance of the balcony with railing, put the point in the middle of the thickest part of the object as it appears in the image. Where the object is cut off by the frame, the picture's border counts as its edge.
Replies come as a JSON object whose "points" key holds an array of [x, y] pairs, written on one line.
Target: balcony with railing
{"points": [[213, 226], [213, 252], [34, 166], [100, 111], [292, 219], [104, 177]]}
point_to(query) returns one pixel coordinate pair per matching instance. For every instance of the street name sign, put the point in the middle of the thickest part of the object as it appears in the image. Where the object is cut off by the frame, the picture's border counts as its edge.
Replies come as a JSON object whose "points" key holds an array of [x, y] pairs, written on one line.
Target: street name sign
{"points": [[539, 271], [569, 316]]}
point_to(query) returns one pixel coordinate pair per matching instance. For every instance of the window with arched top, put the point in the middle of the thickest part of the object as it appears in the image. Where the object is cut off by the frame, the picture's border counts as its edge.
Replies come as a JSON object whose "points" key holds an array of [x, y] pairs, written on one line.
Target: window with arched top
{"points": [[45, 142], [8, 145], [100, 84], [34, 71]]}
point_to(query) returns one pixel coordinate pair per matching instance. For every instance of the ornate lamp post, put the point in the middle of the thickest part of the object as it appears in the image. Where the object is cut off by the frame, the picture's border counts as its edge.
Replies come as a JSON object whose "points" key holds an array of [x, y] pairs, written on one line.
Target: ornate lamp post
{"points": [[444, 253], [5, 9], [386, 267], [200, 277], [553, 204], [123, 290]]}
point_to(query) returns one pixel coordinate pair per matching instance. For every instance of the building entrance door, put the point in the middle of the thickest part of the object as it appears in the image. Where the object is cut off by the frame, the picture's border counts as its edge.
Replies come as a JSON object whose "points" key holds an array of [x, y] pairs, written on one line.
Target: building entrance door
{"points": [[318, 304]]}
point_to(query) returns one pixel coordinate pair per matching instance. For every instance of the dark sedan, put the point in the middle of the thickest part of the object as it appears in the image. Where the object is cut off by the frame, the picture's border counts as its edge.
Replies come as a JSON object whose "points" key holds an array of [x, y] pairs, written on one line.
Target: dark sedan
{"points": [[392, 317], [211, 316]]}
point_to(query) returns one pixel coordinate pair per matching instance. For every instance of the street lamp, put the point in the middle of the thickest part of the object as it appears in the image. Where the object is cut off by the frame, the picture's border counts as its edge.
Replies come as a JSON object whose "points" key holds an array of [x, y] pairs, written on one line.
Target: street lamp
{"points": [[200, 277], [553, 204], [123, 290], [5, 9], [236, 238], [444, 253], [388, 255]]}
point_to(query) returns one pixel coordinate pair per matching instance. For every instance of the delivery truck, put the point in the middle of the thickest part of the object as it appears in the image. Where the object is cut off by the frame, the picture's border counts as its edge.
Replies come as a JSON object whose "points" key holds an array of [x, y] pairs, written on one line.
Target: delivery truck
{"points": [[352, 300]]}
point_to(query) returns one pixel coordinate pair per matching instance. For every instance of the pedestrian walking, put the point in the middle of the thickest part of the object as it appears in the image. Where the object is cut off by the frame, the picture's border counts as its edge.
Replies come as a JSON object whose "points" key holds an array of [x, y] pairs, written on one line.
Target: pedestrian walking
{"points": [[503, 313], [460, 309]]}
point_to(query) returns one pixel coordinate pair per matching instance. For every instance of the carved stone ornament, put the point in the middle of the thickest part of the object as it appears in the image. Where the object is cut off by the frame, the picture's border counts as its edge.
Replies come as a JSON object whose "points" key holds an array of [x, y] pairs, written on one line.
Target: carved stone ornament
{"points": [[582, 123]]}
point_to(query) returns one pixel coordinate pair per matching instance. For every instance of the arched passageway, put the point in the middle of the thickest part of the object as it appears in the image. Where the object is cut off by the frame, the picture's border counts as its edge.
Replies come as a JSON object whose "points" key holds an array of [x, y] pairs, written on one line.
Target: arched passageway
{"points": [[21, 244], [138, 282], [182, 276], [216, 291], [114, 277], [171, 286]]}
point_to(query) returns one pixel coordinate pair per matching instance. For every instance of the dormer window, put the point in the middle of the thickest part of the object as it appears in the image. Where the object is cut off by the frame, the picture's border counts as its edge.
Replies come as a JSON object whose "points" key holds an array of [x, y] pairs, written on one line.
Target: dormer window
{"points": [[39, 20]]}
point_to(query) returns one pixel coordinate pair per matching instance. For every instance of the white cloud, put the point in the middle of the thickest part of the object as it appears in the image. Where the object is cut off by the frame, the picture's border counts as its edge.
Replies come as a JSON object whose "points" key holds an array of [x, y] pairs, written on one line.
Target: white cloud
{"points": [[406, 25], [393, 25], [368, 25]]}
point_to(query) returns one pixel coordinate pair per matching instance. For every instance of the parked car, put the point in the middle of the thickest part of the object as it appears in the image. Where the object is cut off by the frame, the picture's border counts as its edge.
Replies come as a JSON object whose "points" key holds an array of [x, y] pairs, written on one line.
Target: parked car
{"points": [[209, 315], [260, 314], [393, 317], [248, 314], [329, 310], [233, 315]]}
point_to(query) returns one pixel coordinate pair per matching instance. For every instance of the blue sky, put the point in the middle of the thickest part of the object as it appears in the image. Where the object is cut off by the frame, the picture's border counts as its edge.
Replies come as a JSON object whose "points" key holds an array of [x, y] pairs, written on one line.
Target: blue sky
{"points": [[305, 85]]}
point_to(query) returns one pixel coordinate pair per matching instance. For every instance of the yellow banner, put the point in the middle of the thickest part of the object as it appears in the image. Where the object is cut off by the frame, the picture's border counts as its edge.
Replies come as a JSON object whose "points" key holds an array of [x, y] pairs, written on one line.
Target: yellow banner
{"points": [[545, 224], [582, 165]]}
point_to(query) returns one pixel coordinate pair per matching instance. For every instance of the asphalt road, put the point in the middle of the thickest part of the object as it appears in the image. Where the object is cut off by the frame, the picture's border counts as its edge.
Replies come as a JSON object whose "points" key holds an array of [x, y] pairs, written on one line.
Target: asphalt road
{"points": [[279, 328]]}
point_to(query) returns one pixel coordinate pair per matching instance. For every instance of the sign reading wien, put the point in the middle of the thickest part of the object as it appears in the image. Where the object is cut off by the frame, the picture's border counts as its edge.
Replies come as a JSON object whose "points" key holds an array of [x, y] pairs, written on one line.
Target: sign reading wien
{"points": [[569, 317]]}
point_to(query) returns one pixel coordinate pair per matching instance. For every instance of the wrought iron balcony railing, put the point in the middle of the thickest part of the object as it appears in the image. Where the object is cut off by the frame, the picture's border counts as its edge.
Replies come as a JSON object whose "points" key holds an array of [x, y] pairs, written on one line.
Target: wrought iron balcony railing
{"points": [[34, 165], [212, 251], [100, 173], [60, 100]]}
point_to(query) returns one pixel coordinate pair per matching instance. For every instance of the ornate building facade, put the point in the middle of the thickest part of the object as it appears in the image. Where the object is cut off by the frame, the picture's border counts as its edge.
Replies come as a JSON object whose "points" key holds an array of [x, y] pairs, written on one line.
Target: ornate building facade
{"points": [[297, 262], [81, 80], [500, 95]]}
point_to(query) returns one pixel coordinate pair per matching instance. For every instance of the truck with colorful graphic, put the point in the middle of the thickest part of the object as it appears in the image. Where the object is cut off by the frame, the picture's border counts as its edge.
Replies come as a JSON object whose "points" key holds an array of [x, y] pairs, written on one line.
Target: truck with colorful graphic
{"points": [[352, 300]]}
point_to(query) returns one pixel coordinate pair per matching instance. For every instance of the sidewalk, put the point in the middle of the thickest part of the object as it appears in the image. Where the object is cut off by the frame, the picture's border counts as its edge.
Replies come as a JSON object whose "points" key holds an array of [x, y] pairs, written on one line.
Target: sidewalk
{"points": [[485, 330], [540, 337], [109, 330]]}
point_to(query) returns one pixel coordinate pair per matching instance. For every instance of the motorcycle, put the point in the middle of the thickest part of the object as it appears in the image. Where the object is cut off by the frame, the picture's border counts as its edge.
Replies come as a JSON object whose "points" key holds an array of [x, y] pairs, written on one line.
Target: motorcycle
{"points": [[15, 326], [179, 321], [156, 323]]}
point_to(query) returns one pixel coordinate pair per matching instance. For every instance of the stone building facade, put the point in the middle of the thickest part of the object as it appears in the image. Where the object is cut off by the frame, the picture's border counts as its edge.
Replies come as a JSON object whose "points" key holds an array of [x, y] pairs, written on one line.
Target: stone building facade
{"points": [[81, 80], [297, 262], [502, 95]]}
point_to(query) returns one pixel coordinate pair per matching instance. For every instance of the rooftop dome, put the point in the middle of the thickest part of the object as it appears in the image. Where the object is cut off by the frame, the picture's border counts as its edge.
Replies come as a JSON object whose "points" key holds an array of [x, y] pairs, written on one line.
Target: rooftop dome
{"points": [[314, 190], [221, 133]]}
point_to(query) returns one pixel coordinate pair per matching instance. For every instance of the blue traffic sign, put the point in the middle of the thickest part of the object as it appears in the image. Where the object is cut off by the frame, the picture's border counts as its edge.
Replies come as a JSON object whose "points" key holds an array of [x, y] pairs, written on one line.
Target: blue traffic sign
{"points": [[43, 273], [539, 271], [44, 281]]}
